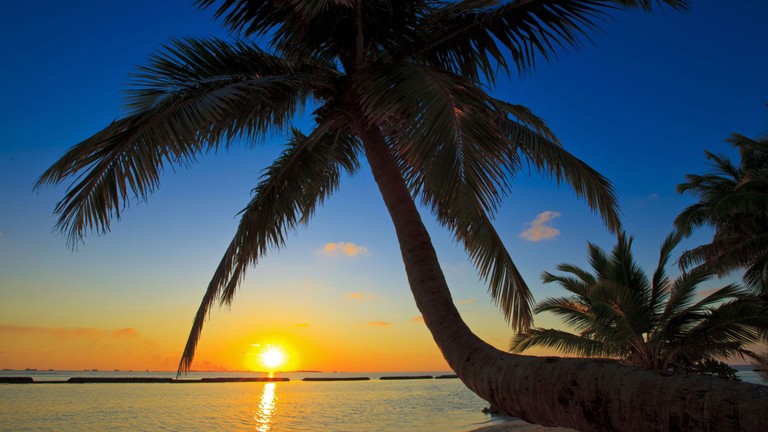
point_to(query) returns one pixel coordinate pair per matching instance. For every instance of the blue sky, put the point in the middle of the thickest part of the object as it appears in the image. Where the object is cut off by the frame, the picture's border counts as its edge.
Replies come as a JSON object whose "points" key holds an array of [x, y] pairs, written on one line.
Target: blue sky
{"points": [[639, 102]]}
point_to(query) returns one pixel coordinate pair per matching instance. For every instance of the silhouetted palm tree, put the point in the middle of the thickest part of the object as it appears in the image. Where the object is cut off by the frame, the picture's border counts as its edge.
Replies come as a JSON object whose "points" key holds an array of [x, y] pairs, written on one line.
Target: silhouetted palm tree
{"points": [[733, 199], [618, 311], [400, 84]]}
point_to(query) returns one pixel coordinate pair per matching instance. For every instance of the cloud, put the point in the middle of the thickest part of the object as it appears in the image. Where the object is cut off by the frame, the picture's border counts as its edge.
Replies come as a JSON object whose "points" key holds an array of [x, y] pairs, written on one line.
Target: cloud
{"points": [[379, 324], [653, 196], [417, 319], [129, 333], [538, 230], [361, 296], [346, 248], [466, 301]]}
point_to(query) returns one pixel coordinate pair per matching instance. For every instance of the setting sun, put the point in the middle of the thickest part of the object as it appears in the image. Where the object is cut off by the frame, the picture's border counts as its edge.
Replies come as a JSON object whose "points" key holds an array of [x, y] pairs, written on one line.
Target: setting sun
{"points": [[272, 357]]}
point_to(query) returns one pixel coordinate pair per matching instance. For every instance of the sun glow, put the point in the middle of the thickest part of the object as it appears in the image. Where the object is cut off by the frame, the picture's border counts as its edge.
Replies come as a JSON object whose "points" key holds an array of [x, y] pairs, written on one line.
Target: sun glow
{"points": [[272, 357]]}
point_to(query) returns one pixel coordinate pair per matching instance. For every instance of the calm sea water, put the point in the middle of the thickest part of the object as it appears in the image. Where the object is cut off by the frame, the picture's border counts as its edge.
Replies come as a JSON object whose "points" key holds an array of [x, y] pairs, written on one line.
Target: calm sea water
{"points": [[375, 405]]}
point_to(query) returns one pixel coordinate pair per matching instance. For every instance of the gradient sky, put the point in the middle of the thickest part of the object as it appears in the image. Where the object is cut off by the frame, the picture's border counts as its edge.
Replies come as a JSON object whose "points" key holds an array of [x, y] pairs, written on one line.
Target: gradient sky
{"points": [[640, 103]]}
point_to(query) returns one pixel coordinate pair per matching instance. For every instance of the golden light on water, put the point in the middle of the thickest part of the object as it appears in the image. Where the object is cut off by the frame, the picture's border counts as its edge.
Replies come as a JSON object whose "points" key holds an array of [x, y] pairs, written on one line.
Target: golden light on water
{"points": [[266, 409]]}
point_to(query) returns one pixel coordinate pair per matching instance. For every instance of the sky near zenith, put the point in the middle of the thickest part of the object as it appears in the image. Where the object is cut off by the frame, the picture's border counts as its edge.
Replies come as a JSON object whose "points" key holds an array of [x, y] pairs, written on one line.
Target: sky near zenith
{"points": [[639, 102]]}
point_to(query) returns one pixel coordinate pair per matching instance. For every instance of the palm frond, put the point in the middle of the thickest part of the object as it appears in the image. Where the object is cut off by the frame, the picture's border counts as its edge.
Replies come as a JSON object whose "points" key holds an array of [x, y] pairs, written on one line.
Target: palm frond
{"points": [[527, 118], [248, 17], [306, 173], [583, 275], [660, 281], [443, 129], [574, 312], [567, 343], [473, 37], [728, 329], [733, 199], [506, 285], [619, 313], [599, 261], [680, 312], [453, 154], [446, 142], [756, 275], [551, 159], [577, 285], [185, 105]]}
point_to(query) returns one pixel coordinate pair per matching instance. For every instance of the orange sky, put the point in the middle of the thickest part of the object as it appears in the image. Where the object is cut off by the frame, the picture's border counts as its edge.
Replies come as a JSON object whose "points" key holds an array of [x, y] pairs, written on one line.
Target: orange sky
{"points": [[326, 342]]}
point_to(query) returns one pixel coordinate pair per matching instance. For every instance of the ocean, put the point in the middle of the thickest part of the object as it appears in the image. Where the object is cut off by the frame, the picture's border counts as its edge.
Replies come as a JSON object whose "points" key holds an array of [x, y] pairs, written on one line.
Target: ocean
{"points": [[295, 405]]}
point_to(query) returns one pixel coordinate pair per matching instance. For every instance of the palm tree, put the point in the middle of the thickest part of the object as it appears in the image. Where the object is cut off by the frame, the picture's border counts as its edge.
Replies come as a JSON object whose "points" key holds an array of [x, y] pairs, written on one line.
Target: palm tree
{"points": [[399, 84], [618, 311], [733, 199]]}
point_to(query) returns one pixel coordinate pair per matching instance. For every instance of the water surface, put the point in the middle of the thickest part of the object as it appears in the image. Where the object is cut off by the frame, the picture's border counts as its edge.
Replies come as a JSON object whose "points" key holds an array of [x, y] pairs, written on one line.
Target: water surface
{"points": [[418, 405], [375, 405]]}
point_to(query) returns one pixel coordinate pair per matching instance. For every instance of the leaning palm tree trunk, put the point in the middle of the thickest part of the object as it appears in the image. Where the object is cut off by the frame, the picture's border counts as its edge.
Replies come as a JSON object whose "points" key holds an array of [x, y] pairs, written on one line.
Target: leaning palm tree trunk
{"points": [[588, 395]]}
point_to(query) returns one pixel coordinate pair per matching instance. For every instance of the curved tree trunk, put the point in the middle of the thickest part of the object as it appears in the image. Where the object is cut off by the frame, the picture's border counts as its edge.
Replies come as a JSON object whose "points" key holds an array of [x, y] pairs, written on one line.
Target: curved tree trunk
{"points": [[588, 395]]}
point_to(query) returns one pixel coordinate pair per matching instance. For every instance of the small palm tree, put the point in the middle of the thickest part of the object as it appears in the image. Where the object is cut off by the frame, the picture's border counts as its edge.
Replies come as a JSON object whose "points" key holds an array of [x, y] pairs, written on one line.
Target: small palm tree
{"points": [[618, 311], [733, 200]]}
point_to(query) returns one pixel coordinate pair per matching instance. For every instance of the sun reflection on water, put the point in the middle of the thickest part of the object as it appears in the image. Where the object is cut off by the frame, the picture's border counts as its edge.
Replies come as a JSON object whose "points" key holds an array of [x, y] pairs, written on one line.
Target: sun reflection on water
{"points": [[267, 407]]}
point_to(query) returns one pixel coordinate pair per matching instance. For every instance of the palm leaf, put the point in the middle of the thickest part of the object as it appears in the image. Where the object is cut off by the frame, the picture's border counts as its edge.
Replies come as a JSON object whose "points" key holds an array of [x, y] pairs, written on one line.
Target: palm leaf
{"points": [[567, 343], [485, 248], [444, 131], [580, 285], [446, 140], [660, 281], [180, 110], [552, 160], [727, 330], [297, 182], [473, 37], [573, 311]]}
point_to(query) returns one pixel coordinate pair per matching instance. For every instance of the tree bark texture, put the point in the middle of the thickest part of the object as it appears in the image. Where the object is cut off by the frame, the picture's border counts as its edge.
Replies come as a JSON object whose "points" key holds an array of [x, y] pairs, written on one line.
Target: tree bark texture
{"points": [[584, 394]]}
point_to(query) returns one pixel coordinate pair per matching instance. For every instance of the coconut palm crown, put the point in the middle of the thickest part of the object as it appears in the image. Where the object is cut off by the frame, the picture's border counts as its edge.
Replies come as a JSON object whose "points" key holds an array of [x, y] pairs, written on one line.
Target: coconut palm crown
{"points": [[655, 322], [732, 199]]}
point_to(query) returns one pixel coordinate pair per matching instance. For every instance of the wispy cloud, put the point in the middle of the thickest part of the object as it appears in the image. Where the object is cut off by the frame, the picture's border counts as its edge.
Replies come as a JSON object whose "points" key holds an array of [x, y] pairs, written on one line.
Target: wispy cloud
{"points": [[466, 301], [361, 296], [129, 333], [539, 230], [417, 319], [379, 323], [343, 248]]}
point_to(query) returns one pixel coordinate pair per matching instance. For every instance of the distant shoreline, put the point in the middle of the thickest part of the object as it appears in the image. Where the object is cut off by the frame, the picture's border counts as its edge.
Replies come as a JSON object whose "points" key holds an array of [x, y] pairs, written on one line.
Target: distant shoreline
{"points": [[167, 380]]}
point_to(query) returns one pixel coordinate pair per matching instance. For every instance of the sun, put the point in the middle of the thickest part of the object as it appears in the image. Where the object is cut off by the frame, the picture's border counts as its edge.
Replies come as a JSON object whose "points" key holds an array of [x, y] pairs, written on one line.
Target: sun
{"points": [[272, 357]]}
